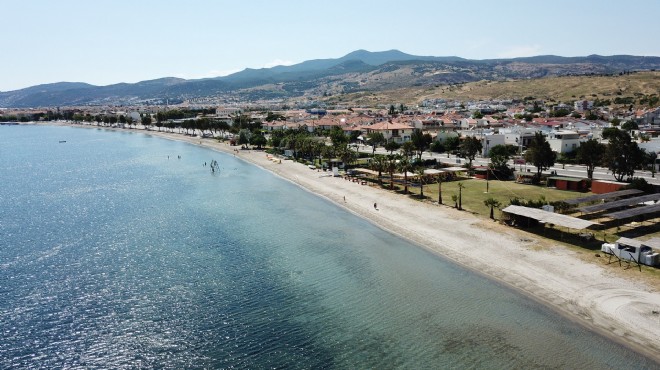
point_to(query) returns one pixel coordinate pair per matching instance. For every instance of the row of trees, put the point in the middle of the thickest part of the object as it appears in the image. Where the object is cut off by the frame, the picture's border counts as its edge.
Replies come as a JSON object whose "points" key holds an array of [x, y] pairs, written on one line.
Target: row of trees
{"points": [[621, 155]]}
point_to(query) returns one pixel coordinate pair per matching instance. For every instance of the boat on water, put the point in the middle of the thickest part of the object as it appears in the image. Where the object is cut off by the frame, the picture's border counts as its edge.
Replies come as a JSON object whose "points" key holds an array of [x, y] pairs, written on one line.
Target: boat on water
{"points": [[62, 141]]}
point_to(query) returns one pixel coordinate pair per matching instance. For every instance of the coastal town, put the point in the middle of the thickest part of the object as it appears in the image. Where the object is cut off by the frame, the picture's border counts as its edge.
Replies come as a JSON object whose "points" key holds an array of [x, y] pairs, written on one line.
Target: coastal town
{"points": [[420, 147], [343, 185]]}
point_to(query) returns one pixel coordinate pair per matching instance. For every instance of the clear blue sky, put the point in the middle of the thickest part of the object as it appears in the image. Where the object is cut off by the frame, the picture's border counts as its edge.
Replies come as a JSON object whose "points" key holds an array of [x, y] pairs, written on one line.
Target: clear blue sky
{"points": [[104, 42]]}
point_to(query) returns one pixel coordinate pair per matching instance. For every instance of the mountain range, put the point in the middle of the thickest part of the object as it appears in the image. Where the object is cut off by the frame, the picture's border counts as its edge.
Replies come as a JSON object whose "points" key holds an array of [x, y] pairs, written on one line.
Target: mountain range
{"points": [[360, 70]]}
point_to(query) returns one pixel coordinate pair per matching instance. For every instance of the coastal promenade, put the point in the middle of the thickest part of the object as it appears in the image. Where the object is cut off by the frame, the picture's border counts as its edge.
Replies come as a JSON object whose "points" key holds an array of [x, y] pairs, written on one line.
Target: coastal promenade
{"points": [[621, 304]]}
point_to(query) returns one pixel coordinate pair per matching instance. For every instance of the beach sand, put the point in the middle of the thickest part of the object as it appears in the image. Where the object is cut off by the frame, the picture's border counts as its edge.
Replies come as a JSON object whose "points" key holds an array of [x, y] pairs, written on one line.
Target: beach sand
{"points": [[617, 303]]}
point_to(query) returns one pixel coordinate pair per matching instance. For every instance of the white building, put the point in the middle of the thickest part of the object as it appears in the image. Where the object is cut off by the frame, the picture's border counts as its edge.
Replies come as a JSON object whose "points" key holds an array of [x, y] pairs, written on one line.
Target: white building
{"points": [[582, 105], [564, 141]]}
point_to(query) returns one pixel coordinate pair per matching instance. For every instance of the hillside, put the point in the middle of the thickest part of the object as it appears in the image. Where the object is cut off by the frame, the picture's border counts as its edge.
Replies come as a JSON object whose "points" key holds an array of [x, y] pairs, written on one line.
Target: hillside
{"points": [[558, 89], [359, 71]]}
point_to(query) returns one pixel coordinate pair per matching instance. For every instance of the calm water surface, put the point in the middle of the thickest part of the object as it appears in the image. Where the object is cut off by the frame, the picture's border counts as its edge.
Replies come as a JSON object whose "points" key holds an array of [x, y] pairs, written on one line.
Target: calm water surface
{"points": [[114, 256]]}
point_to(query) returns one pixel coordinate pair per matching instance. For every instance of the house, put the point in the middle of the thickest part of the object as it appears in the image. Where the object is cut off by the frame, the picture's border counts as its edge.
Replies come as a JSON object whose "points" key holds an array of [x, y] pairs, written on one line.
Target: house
{"points": [[444, 135], [648, 117], [583, 105], [563, 141], [605, 186], [392, 131], [467, 123], [227, 112], [489, 141], [567, 183], [518, 136]]}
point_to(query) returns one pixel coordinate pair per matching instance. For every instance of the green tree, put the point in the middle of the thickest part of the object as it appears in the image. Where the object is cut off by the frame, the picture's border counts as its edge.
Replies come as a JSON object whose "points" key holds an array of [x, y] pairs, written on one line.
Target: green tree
{"points": [[622, 155], [241, 121], [437, 147], [375, 139], [452, 143], [540, 154], [407, 149], [421, 141], [379, 163], [392, 146], [470, 147], [492, 203], [392, 110], [590, 154], [629, 126], [243, 138], [419, 172], [146, 120], [391, 167], [460, 195], [338, 138], [258, 140], [499, 156], [270, 117], [439, 189], [648, 161], [405, 166], [347, 155]]}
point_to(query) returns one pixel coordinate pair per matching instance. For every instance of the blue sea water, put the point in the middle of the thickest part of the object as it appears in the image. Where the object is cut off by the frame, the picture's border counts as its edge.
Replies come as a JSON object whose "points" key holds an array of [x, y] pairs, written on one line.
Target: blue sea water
{"points": [[113, 255]]}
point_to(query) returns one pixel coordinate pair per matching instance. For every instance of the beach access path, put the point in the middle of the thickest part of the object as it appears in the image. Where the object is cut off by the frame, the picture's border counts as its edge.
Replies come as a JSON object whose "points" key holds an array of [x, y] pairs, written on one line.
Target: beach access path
{"points": [[618, 303]]}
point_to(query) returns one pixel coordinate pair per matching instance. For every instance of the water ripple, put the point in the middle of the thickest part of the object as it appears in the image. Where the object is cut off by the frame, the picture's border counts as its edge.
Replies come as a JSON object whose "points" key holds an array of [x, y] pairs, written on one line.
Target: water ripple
{"points": [[130, 260]]}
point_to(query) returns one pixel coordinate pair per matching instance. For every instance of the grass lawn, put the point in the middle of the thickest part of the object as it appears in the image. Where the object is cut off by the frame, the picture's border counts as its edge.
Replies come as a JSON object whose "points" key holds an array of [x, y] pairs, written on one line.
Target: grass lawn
{"points": [[474, 193]]}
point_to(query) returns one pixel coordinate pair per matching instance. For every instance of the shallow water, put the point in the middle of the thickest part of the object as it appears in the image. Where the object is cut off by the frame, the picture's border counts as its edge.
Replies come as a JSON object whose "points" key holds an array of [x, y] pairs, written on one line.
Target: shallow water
{"points": [[114, 256]]}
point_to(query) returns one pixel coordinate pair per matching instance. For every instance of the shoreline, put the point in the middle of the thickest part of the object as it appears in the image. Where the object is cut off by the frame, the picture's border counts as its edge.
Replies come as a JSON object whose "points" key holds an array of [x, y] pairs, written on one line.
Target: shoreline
{"points": [[587, 293]]}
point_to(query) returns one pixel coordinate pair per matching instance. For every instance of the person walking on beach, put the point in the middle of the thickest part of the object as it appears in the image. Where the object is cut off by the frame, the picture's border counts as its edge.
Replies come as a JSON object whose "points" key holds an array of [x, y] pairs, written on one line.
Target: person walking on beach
{"points": [[376, 206]]}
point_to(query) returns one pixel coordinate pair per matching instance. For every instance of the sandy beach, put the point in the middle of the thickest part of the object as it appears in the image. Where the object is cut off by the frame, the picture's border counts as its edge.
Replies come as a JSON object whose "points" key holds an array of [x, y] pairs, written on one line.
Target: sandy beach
{"points": [[617, 303]]}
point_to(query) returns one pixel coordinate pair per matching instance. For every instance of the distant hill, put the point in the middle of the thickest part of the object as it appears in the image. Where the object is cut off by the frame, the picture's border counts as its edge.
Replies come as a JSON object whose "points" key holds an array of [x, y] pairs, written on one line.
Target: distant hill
{"points": [[357, 71]]}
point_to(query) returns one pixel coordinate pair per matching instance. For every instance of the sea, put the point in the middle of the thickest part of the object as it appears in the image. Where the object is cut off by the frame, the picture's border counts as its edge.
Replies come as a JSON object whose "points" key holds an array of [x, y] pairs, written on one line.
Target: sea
{"points": [[121, 250]]}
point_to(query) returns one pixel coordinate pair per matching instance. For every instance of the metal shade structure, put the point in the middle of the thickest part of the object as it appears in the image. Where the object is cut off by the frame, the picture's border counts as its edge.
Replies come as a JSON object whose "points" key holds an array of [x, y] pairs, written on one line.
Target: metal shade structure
{"points": [[549, 217], [404, 174], [432, 171], [628, 213], [597, 197], [620, 203]]}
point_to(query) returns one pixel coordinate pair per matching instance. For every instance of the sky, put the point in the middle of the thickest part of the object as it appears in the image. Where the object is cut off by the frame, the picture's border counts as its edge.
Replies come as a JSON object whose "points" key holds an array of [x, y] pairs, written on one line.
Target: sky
{"points": [[104, 42]]}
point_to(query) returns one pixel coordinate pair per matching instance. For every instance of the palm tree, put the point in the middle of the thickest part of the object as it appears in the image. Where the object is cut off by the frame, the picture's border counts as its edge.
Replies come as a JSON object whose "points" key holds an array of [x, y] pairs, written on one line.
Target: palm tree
{"points": [[405, 165], [492, 203], [460, 195], [407, 149], [375, 138], [347, 155], [391, 167], [420, 174], [439, 189], [454, 198], [379, 164]]}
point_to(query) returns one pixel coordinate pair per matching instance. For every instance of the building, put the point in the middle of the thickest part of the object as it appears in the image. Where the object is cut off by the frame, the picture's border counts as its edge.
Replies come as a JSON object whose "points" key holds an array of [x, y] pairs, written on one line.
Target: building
{"points": [[563, 141], [392, 131], [582, 105]]}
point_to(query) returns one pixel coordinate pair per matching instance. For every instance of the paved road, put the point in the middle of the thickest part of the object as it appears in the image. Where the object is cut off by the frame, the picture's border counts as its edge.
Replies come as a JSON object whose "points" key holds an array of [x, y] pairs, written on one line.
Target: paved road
{"points": [[600, 173]]}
